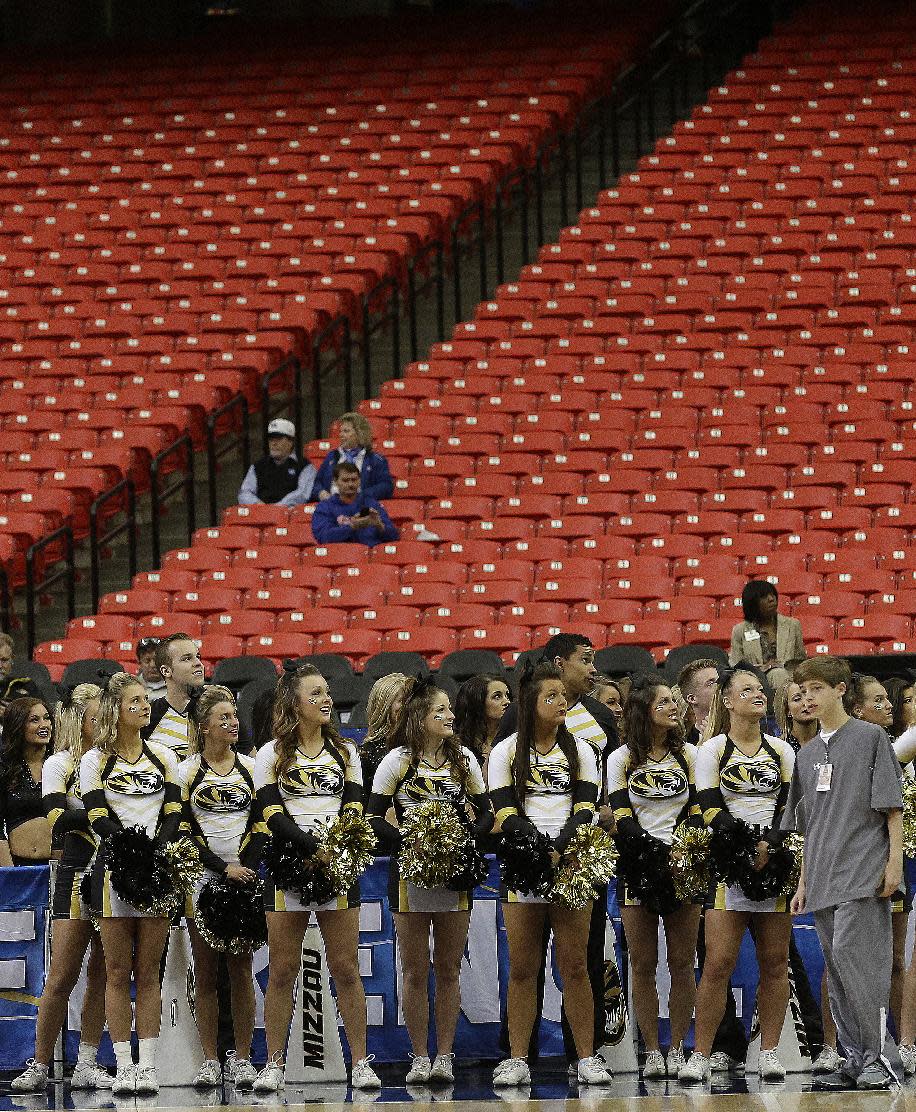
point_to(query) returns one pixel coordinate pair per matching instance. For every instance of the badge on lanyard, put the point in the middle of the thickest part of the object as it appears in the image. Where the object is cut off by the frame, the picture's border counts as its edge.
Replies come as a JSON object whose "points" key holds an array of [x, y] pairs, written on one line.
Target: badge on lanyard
{"points": [[824, 776]]}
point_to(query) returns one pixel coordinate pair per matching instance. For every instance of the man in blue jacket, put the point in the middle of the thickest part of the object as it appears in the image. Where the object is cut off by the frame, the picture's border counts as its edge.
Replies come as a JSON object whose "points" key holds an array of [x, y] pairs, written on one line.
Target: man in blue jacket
{"points": [[351, 516]]}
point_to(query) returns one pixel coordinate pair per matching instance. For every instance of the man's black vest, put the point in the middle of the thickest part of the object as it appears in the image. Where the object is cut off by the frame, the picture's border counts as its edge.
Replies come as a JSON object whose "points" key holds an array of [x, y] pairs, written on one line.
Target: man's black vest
{"points": [[276, 480]]}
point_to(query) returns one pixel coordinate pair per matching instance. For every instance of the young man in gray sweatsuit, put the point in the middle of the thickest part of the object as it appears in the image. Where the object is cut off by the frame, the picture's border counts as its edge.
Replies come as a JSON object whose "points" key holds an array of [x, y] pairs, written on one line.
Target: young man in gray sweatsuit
{"points": [[845, 798]]}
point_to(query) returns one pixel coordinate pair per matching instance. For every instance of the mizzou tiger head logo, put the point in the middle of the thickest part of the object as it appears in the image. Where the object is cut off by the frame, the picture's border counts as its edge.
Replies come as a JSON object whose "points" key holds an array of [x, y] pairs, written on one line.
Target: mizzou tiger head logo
{"points": [[615, 1005], [323, 780], [135, 782], [549, 779], [221, 798], [761, 778], [658, 783], [422, 788]]}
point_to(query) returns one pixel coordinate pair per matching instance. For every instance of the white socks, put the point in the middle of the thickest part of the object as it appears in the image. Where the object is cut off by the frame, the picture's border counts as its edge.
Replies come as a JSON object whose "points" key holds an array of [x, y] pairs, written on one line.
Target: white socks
{"points": [[86, 1054], [147, 1057], [123, 1057]]}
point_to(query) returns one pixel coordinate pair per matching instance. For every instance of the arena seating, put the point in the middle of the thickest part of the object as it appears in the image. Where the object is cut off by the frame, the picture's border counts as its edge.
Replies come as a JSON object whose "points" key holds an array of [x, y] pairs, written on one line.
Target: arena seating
{"points": [[708, 378], [172, 228]]}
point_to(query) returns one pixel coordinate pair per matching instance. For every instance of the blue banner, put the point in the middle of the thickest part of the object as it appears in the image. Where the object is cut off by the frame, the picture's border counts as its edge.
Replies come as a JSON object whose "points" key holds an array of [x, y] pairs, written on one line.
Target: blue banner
{"points": [[23, 928]]}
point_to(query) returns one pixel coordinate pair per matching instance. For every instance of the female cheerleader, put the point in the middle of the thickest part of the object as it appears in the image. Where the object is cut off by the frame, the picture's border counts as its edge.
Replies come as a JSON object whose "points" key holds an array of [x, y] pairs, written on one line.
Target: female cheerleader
{"points": [[608, 692], [128, 782], [651, 786], [25, 833], [543, 778], [217, 786], [479, 708], [304, 778], [743, 773], [902, 694], [382, 709], [796, 724], [428, 763], [74, 729]]}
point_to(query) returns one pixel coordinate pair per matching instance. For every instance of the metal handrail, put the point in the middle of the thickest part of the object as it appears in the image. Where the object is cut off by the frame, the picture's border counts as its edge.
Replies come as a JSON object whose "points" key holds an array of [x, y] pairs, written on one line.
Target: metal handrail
{"points": [[214, 453], [128, 526], [290, 365], [158, 497], [67, 572], [339, 324]]}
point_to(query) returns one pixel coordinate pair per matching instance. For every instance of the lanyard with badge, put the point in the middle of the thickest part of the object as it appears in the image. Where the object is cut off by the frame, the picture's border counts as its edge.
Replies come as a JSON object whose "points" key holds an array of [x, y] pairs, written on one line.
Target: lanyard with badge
{"points": [[825, 771]]}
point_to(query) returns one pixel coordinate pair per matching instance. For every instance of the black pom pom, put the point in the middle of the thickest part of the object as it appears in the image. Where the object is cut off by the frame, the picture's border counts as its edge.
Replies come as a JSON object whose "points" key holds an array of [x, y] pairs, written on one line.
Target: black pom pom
{"points": [[473, 869], [524, 859], [139, 874], [644, 866], [290, 870], [230, 917], [733, 853]]}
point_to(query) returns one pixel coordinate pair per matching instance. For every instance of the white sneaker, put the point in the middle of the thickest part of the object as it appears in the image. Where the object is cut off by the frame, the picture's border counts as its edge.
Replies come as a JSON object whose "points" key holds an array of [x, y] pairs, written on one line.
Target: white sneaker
{"points": [[125, 1081], [828, 1061], [240, 1072], [769, 1066], [90, 1075], [147, 1081], [907, 1058], [419, 1071], [675, 1060], [33, 1079], [511, 1071], [443, 1069], [364, 1076], [720, 1062], [654, 1065], [209, 1075], [695, 1069], [594, 1071], [272, 1078]]}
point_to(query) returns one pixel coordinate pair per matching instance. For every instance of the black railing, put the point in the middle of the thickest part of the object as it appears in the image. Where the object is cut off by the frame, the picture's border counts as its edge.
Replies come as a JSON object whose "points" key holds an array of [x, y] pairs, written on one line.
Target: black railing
{"points": [[98, 540], [33, 585], [270, 406], [160, 496], [238, 437], [338, 328], [388, 294], [432, 250]]}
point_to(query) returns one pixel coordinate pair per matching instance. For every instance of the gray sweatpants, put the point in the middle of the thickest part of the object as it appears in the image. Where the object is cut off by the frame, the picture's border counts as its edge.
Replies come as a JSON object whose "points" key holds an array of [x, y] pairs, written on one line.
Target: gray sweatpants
{"points": [[857, 943]]}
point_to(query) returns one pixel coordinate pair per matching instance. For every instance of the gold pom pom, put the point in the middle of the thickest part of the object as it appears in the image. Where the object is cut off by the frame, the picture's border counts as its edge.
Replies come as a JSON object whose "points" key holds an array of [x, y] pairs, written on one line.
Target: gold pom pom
{"points": [[795, 845], [433, 839], [182, 860], [588, 863], [909, 816], [348, 844], [691, 868]]}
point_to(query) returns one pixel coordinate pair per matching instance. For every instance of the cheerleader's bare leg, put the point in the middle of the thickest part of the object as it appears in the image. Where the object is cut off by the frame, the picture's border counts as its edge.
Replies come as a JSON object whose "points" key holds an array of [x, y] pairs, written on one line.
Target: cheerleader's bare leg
{"points": [[412, 929], [681, 928], [285, 931], [524, 928], [898, 968], [570, 934], [241, 983], [206, 1005], [641, 928], [771, 937], [71, 937], [340, 931], [450, 935], [724, 932]]}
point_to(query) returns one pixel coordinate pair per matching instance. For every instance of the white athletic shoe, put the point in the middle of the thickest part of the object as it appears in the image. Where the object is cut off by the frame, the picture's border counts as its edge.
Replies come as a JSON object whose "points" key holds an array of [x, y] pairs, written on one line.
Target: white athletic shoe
{"points": [[695, 1069], [147, 1081], [443, 1069], [907, 1058], [675, 1060], [90, 1075], [272, 1078], [363, 1075], [720, 1062], [125, 1082], [240, 1072], [33, 1079], [419, 1071], [769, 1066], [510, 1072], [209, 1075], [828, 1061], [594, 1071], [654, 1065]]}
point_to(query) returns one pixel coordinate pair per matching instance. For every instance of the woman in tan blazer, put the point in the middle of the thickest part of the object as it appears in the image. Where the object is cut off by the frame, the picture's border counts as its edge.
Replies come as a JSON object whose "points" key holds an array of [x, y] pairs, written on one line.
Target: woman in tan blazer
{"points": [[767, 639]]}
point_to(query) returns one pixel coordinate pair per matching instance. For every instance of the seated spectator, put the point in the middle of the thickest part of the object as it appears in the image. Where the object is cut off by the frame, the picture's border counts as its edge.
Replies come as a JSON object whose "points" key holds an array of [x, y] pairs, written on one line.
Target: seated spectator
{"points": [[280, 477], [766, 639], [12, 685], [148, 673], [356, 448], [350, 515]]}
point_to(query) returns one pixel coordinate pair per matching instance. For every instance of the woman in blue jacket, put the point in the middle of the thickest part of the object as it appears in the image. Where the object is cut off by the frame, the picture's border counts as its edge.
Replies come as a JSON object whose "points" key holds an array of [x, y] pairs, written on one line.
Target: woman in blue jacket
{"points": [[356, 448]]}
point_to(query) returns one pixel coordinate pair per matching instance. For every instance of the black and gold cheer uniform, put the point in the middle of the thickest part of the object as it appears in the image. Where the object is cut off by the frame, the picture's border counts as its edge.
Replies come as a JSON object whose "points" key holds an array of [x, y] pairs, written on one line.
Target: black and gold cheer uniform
{"points": [[63, 804]]}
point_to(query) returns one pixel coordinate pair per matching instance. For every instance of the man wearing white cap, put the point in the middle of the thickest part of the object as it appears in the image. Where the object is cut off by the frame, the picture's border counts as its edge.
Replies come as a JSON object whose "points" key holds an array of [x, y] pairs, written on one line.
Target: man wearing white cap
{"points": [[280, 477]]}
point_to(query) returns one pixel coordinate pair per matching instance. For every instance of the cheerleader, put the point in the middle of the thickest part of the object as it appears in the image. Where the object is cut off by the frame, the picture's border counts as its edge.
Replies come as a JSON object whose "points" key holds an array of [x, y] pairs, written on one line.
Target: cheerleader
{"points": [[542, 778], [743, 773], [305, 778], [427, 762], [382, 709], [74, 727], [796, 723], [905, 751], [128, 782], [651, 786], [217, 787], [479, 708], [25, 833]]}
